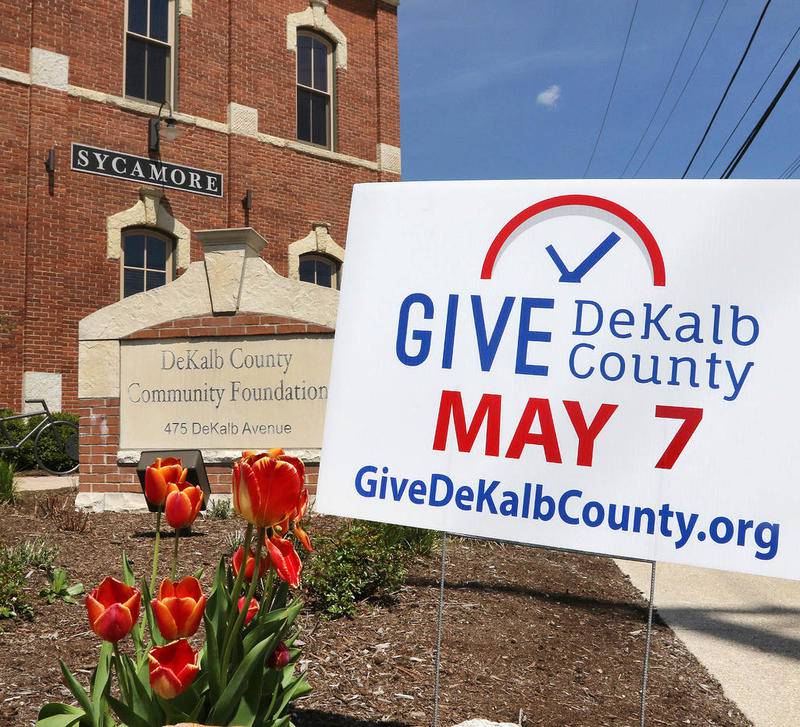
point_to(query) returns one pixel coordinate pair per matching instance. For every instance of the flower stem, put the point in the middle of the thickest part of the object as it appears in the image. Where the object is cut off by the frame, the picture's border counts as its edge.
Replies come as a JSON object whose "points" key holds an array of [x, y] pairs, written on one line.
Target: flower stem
{"points": [[237, 625], [155, 551], [175, 553], [123, 686], [266, 597]]}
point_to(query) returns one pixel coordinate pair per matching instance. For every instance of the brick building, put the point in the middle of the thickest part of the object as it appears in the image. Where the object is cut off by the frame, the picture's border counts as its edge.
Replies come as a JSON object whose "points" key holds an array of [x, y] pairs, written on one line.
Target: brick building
{"points": [[288, 102]]}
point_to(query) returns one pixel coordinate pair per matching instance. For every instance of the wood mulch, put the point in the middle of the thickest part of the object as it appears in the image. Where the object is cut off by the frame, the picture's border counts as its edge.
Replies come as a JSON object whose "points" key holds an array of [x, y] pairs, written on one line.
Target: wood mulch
{"points": [[550, 638]]}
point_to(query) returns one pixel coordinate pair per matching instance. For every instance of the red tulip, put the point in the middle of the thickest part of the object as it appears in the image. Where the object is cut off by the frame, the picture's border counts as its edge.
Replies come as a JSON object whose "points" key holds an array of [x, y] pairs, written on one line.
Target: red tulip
{"points": [[159, 476], [285, 559], [183, 505], [238, 557], [172, 668], [252, 609], [266, 487], [113, 609], [280, 657], [293, 522], [179, 608]]}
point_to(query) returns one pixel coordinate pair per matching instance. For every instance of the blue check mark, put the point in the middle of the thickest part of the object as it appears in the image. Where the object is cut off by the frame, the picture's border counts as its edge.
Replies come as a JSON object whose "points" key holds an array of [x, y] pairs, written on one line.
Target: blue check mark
{"points": [[575, 276]]}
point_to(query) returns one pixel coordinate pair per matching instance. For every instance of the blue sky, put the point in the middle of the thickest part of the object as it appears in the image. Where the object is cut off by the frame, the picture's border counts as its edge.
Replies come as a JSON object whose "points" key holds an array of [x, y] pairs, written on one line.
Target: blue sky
{"points": [[471, 72]]}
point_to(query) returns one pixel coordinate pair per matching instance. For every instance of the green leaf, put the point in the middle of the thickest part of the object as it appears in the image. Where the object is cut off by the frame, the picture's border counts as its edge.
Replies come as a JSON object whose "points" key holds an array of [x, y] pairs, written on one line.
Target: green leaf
{"points": [[155, 634], [247, 712], [295, 691], [228, 701], [128, 578], [211, 660], [102, 677], [126, 714], [59, 715], [143, 704], [77, 691]]}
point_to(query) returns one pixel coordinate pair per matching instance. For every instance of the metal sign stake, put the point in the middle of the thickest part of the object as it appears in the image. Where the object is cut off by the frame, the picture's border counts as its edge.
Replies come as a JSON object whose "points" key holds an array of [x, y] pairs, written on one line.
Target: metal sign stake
{"points": [[646, 670], [439, 628]]}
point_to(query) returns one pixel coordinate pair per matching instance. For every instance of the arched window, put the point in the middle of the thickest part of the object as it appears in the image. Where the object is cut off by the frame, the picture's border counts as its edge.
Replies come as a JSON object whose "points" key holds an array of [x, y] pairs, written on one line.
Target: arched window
{"points": [[320, 270], [146, 261], [314, 89]]}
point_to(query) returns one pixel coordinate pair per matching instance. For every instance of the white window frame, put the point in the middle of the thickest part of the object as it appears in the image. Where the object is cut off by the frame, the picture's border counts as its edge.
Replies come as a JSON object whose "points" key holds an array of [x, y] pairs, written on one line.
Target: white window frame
{"points": [[171, 43], [331, 93], [169, 262]]}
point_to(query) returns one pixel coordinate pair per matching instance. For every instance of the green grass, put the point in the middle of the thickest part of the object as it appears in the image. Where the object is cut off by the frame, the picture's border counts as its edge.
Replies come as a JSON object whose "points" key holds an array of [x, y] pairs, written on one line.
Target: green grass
{"points": [[8, 486]]}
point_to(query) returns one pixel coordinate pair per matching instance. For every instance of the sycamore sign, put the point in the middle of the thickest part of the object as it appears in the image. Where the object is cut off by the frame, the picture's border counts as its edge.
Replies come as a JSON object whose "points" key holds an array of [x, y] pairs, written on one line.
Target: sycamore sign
{"points": [[120, 165]]}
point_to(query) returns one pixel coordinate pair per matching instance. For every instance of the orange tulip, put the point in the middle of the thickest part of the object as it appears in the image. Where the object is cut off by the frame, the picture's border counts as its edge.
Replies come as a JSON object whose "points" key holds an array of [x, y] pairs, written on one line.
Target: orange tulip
{"points": [[113, 609], [250, 565], [293, 521], [280, 657], [159, 476], [179, 608], [252, 609], [267, 487], [285, 559], [172, 668], [183, 505]]}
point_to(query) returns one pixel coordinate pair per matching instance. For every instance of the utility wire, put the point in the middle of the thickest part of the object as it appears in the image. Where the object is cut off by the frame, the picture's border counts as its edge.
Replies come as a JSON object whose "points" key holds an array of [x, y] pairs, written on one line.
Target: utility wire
{"points": [[728, 87], [759, 125], [666, 87], [613, 88], [683, 90], [752, 101], [791, 169]]}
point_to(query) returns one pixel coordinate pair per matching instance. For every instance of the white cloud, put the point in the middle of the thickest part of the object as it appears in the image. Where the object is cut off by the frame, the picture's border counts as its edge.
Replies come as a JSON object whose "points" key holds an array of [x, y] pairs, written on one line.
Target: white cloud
{"points": [[549, 97]]}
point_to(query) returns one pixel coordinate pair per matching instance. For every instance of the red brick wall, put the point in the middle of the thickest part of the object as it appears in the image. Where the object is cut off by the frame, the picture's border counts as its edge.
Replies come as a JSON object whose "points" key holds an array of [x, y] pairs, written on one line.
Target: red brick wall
{"points": [[53, 241], [99, 418]]}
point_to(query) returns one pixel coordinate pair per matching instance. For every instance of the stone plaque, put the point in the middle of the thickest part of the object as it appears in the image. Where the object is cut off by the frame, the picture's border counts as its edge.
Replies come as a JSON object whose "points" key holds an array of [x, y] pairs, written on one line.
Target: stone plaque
{"points": [[224, 393]]}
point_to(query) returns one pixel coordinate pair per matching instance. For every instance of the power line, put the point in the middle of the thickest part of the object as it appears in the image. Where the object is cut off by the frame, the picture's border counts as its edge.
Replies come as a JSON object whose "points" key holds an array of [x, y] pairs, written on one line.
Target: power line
{"points": [[666, 87], [685, 86], [759, 125], [752, 101], [791, 169], [613, 88], [728, 87]]}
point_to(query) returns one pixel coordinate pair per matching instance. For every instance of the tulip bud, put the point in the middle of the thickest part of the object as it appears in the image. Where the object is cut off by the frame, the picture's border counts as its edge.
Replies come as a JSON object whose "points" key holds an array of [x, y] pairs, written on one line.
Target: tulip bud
{"points": [[252, 609], [179, 608], [172, 668], [280, 657], [250, 565], [113, 609], [267, 487], [183, 506], [159, 476]]}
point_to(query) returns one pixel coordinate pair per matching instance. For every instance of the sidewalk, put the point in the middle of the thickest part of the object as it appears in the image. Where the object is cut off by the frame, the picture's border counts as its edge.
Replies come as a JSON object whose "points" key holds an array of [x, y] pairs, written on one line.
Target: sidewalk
{"points": [[47, 483], [744, 629]]}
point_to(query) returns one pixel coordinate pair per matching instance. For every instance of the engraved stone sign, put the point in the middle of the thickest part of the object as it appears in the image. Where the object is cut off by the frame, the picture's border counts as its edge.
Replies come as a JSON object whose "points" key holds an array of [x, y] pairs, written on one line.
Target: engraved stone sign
{"points": [[232, 393]]}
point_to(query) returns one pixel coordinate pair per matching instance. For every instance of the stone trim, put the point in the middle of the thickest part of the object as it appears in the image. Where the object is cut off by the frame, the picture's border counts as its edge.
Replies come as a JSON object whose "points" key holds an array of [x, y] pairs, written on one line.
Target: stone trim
{"points": [[9, 74], [261, 291], [242, 120], [185, 8], [148, 212], [127, 457], [315, 16], [142, 107], [318, 240], [49, 69], [389, 158]]}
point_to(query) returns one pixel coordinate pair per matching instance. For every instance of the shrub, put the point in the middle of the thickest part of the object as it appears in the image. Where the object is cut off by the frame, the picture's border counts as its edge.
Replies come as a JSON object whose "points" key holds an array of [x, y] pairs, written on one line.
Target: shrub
{"points": [[220, 509], [8, 487], [61, 510], [14, 431], [59, 588], [362, 560], [15, 565]]}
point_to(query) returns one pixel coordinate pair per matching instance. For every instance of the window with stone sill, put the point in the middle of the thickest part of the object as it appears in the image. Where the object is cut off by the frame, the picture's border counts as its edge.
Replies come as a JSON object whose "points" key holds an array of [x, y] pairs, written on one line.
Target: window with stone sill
{"points": [[147, 261], [149, 49], [314, 89], [320, 270]]}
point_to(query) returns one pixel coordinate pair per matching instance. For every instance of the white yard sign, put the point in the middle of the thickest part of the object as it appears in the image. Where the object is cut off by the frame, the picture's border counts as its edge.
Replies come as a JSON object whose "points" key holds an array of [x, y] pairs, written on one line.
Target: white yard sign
{"points": [[608, 366]]}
